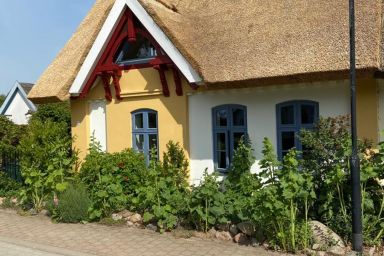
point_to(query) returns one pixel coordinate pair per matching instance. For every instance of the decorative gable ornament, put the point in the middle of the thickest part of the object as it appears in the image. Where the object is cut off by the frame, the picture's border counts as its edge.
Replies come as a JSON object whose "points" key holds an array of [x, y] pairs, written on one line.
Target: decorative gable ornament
{"points": [[127, 41]]}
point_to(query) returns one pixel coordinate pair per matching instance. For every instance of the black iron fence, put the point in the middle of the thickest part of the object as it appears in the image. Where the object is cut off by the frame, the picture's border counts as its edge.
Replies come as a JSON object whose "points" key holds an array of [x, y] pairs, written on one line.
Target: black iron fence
{"points": [[10, 164]]}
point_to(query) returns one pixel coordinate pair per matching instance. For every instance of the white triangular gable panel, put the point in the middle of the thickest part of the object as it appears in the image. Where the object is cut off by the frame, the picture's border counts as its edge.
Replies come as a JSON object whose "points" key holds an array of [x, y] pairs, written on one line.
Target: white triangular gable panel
{"points": [[106, 33]]}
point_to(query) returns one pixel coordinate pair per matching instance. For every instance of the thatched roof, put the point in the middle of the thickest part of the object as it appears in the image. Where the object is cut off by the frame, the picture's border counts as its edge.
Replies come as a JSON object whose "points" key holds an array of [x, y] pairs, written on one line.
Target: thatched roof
{"points": [[242, 40], [27, 87]]}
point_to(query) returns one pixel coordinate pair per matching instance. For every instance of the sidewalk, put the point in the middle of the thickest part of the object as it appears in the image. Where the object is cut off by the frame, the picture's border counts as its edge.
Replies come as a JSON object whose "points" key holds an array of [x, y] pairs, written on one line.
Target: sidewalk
{"points": [[48, 239]]}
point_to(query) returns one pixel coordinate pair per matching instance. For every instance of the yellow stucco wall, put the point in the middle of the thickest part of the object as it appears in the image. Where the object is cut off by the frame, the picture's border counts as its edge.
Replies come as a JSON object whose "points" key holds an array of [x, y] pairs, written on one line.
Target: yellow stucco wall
{"points": [[140, 88], [367, 101]]}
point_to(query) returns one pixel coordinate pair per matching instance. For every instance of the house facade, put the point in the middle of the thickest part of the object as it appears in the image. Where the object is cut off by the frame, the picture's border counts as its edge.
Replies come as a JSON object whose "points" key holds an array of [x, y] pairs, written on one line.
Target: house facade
{"points": [[16, 106], [141, 73]]}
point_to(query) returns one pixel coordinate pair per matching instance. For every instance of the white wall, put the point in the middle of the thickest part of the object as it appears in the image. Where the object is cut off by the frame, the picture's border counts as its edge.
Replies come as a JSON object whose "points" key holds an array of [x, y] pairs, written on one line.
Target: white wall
{"points": [[17, 110], [333, 98]]}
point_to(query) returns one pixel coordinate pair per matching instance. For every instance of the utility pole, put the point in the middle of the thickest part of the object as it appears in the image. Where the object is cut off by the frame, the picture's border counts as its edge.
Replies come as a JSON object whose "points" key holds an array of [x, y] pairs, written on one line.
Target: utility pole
{"points": [[357, 236]]}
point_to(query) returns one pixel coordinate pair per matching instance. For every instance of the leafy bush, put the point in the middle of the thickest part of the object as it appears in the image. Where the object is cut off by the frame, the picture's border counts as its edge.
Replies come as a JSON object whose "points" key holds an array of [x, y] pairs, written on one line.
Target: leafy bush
{"points": [[47, 161], [207, 203], [110, 178], [54, 112], [241, 186], [327, 158], [8, 186], [10, 133], [242, 161], [73, 204], [163, 195], [282, 205]]}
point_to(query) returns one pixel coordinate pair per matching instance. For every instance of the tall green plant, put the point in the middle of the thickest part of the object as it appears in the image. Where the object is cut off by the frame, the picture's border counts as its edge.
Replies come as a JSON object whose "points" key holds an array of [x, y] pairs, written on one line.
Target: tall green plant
{"points": [[207, 203], [372, 191], [243, 159], [47, 161], [163, 195]]}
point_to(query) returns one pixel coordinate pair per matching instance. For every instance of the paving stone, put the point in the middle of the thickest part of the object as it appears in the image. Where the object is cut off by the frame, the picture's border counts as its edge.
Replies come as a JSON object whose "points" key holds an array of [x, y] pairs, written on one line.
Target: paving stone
{"points": [[93, 239]]}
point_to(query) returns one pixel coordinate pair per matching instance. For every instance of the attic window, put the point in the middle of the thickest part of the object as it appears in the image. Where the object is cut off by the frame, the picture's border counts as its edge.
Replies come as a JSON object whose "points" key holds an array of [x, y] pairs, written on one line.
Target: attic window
{"points": [[139, 52]]}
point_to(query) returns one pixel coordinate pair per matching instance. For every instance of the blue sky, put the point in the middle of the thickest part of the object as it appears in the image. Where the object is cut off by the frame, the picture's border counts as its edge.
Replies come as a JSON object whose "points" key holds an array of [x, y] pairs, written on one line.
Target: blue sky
{"points": [[32, 32]]}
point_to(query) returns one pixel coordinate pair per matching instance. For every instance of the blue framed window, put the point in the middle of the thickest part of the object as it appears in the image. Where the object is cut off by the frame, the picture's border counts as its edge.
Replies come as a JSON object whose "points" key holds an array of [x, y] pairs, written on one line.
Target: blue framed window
{"points": [[145, 132], [229, 123], [292, 116]]}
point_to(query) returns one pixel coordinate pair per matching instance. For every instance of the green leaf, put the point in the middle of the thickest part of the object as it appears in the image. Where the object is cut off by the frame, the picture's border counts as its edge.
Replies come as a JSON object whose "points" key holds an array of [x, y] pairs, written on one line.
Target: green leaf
{"points": [[61, 186]]}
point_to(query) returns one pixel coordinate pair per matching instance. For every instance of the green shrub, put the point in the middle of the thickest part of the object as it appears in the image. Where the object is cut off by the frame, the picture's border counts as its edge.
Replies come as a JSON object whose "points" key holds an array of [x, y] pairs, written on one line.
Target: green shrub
{"points": [[54, 112], [8, 186], [163, 196], [207, 203], [47, 161], [242, 161], [10, 133], [241, 186], [73, 204], [327, 159], [175, 164], [112, 179]]}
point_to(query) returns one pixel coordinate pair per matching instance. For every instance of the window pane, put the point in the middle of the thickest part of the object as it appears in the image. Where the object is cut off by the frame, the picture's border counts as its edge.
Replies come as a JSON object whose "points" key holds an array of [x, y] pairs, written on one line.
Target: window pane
{"points": [[221, 117], [222, 160], [221, 142], [307, 114], [287, 140], [139, 123], [139, 141], [152, 120], [287, 115], [236, 139], [153, 144], [152, 141], [238, 116], [140, 51]]}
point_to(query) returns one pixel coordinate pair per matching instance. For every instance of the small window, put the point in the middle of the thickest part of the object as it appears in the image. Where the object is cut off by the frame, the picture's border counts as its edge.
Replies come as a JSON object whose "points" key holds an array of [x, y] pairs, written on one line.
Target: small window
{"points": [[229, 125], [145, 132], [293, 116], [139, 52]]}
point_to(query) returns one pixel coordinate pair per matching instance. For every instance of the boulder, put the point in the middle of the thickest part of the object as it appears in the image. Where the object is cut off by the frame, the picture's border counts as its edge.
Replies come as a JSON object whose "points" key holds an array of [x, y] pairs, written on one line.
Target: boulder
{"points": [[2, 200], [247, 228], [130, 224], [126, 214], [241, 239], [211, 233], [324, 236], [44, 212], [223, 236], [223, 227], [336, 251], [151, 227], [135, 218], [116, 216], [254, 242], [233, 230]]}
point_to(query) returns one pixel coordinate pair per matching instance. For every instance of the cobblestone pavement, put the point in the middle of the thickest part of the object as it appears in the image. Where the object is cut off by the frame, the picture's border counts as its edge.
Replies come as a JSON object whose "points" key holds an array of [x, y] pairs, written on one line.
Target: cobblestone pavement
{"points": [[23, 234]]}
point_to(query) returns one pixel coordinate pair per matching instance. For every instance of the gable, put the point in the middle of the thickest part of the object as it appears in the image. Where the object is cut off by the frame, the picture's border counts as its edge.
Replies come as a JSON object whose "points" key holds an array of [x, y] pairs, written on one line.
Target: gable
{"points": [[16, 97], [127, 21]]}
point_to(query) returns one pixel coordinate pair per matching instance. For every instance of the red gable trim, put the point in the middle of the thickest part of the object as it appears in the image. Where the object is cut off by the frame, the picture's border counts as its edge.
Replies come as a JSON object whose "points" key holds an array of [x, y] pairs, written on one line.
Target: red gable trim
{"points": [[109, 71]]}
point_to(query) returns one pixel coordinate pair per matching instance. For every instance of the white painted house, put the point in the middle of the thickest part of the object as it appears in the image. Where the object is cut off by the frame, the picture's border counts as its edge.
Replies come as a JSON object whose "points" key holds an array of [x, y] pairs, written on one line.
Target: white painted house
{"points": [[16, 106]]}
